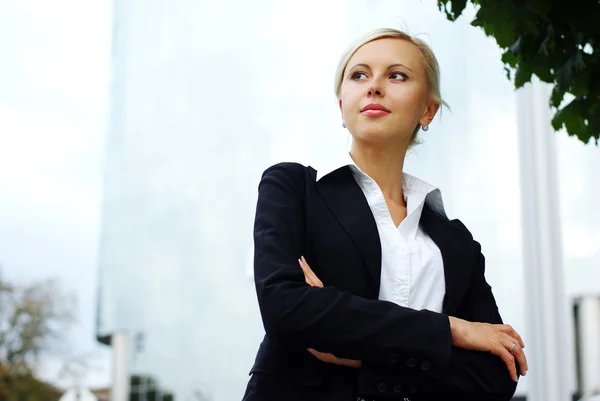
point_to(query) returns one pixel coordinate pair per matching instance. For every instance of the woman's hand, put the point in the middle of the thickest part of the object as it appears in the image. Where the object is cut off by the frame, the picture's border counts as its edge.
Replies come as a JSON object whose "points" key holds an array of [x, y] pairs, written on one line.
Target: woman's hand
{"points": [[309, 276], [330, 358], [499, 339], [312, 280], [494, 338]]}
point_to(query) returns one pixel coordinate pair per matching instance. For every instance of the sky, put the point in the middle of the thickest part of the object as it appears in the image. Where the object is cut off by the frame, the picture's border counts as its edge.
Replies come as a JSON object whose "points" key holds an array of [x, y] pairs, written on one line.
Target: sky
{"points": [[54, 79]]}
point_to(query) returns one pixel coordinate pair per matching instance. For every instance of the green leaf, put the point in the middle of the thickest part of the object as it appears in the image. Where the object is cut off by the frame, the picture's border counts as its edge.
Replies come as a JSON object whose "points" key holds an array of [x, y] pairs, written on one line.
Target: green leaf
{"points": [[477, 22], [540, 68], [500, 20], [456, 8], [516, 47], [546, 38], [557, 96], [522, 75], [566, 73], [572, 118], [509, 58], [548, 42]]}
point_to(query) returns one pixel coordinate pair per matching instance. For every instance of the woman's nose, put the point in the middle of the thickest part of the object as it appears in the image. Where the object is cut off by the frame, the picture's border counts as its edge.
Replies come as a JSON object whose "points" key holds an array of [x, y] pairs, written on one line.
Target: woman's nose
{"points": [[374, 91]]}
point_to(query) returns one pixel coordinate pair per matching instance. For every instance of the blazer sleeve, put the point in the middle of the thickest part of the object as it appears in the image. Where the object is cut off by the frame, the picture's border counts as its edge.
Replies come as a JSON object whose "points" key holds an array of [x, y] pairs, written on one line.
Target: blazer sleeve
{"points": [[378, 332], [472, 375]]}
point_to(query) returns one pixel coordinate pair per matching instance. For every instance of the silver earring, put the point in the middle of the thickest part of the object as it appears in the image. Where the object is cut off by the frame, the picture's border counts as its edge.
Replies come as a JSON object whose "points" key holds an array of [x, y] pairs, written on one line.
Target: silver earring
{"points": [[425, 127], [343, 124]]}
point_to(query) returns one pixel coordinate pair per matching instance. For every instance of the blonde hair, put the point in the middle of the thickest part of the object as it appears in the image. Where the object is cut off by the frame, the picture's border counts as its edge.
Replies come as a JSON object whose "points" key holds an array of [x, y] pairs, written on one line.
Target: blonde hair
{"points": [[432, 68]]}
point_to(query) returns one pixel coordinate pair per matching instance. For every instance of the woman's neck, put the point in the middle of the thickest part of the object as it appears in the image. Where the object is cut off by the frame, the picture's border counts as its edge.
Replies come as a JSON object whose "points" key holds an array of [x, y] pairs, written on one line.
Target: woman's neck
{"points": [[384, 165]]}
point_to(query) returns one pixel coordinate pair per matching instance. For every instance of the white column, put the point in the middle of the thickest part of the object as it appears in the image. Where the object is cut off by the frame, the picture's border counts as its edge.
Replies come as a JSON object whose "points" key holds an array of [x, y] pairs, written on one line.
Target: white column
{"points": [[589, 341], [121, 345], [548, 349]]}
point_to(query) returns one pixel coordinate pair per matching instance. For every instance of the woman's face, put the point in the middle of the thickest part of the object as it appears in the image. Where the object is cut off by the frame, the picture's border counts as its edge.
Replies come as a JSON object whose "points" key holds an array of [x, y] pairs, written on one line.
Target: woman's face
{"points": [[384, 93]]}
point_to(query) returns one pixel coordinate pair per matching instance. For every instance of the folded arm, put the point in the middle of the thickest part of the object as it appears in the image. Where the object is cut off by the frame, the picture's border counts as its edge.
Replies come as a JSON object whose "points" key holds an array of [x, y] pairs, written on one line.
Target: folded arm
{"points": [[326, 319], [403, 351], [472, 374]]}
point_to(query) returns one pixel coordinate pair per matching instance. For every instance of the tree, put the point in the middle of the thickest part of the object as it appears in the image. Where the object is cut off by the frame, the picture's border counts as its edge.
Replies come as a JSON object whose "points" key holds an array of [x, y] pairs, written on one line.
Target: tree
{"points": [[147, 388], [25, 388], [559, 42], [31, 318]]}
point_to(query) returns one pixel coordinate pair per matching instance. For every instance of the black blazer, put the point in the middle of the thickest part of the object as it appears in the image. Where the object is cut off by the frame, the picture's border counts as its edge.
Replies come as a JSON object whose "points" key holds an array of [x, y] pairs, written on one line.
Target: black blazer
{"points": [[404, 352]]}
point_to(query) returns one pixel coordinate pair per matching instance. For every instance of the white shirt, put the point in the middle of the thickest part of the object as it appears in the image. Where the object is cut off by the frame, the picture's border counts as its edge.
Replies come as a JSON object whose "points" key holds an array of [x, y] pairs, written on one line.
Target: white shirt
{"points": [[412, 269]]}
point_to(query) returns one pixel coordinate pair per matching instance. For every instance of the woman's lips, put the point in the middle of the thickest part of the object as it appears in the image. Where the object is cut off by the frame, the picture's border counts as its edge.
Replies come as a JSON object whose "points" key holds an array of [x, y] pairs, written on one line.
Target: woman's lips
{"points": [[374, 113]]}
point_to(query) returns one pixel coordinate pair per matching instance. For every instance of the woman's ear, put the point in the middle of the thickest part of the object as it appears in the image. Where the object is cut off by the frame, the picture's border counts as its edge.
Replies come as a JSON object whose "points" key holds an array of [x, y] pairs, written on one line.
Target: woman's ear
{"points": [[430, 112], [342, 111]]}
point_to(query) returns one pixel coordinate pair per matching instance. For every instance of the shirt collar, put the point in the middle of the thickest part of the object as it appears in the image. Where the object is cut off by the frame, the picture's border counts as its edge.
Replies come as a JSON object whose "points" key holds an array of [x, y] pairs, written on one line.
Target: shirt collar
{"points": [[411, 185], [336, 164]]}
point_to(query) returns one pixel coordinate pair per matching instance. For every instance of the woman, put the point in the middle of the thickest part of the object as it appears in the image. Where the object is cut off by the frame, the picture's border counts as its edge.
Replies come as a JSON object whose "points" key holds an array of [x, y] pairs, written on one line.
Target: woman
{"points": [[390, 299]]}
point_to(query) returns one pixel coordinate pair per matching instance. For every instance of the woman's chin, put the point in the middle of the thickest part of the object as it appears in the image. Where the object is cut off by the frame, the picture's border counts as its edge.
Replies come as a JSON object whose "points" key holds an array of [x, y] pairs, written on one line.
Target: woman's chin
{"points": [[378, 136]]}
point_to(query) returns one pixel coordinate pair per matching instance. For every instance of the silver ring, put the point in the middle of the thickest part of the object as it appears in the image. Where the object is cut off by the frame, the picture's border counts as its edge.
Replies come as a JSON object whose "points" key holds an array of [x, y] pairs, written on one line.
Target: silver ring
{"points": [[512, 348]]}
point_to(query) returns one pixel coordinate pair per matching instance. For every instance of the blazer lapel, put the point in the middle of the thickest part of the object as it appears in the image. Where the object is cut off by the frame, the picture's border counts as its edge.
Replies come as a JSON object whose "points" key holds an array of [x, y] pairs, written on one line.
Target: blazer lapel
{"points": [[348, 204], [456, 247]]}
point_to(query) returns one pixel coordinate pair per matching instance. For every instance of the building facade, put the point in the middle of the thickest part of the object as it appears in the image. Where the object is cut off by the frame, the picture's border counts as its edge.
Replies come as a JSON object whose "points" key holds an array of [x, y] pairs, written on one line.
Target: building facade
{"points": [[205, 95]]}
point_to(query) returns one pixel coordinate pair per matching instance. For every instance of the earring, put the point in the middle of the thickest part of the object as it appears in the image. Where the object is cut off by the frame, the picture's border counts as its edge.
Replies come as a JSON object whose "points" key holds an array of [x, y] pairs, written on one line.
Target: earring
{"points": [[343, 124], [425, 127]]}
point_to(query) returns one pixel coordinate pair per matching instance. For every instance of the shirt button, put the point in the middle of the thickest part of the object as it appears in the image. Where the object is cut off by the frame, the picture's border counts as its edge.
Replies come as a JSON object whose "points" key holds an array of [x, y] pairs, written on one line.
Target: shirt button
{"points": [[414, 389], [411, 362], [397, 389], [381, 387], [425, 365], [393, 358]]}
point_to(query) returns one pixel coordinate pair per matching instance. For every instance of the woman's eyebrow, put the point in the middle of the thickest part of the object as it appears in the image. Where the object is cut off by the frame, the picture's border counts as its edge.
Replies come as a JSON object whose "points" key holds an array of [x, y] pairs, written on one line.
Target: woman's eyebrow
{"points": [[391, 66], [399, 65]]}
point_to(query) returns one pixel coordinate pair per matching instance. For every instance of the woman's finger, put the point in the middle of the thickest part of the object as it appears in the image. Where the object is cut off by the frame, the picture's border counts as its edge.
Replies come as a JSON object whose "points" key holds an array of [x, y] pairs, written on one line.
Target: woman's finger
{"points": [[507, 329], [490, 338], [308, 273], [315, 281], [518, 354], [310, 276], [330, 358], [322, 356], [508, 359], [307, 277]]}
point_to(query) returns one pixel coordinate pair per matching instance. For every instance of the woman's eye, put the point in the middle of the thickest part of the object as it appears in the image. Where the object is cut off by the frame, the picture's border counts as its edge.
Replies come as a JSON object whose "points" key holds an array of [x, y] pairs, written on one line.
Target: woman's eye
{"points": [[399, 75], [357, 75]]}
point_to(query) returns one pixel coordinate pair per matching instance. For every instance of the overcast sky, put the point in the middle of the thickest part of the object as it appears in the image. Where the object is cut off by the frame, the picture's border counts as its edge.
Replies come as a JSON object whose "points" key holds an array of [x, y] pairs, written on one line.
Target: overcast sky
{"points": [[54, 74]]}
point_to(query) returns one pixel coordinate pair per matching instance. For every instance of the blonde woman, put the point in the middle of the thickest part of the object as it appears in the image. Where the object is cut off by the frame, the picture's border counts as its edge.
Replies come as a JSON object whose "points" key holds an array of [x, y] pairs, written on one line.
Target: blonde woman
{"points": [[367, 290]]}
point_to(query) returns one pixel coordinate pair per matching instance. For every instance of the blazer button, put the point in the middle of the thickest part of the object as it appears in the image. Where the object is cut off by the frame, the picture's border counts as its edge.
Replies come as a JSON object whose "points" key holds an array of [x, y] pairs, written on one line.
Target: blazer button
{"points": [[393, 358], [414, 389], [397, 389], [411, 362], [425, 365], [381, 387]]}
